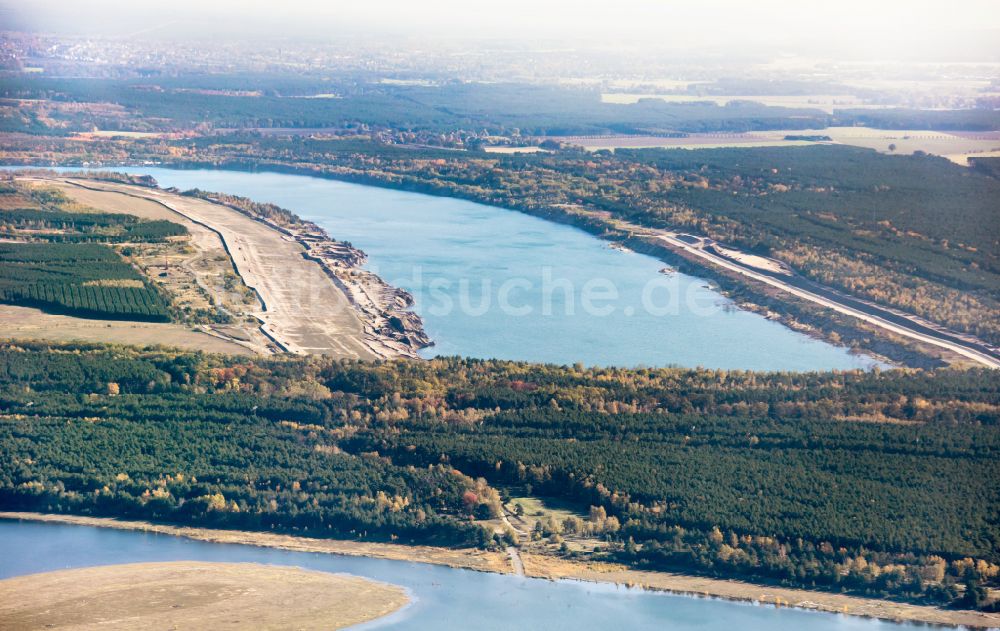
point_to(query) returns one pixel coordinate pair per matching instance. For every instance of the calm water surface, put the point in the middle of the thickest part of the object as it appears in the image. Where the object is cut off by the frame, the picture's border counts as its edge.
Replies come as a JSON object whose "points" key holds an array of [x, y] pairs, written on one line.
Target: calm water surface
{"points": [[496, 283], [444, 599], [415, 241]]}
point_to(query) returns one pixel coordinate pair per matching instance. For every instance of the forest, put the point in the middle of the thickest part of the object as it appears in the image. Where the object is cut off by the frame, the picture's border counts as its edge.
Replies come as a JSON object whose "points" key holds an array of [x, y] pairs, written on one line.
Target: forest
{"points": [[84, 280], [175, 103], [39, 213], [61, 227], [57, 257], [875, 483]]}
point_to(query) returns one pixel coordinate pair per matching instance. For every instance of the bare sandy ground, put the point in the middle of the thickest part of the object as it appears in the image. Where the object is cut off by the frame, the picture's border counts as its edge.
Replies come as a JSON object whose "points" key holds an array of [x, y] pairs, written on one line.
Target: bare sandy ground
{"points": [[693, 141], [759, 262], [544, 566], [501, 149], [189, 595], [26, 323], [303, 310], [962, 159]]}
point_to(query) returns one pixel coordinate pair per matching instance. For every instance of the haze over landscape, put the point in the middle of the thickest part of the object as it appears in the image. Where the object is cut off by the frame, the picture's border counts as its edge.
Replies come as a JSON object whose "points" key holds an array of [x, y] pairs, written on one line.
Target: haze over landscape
{"points": [[439, 300], [849, 30]]}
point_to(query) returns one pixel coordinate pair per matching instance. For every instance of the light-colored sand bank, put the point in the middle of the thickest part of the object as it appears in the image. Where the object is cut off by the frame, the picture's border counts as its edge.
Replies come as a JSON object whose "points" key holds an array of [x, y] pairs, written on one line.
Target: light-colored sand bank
{"points": [[543, 566], [556, 568], [189, 595]]}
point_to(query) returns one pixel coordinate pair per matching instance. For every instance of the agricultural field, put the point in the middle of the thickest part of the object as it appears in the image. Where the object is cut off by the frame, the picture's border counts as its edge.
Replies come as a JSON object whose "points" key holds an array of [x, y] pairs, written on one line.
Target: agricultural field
{"points": [[45, 213], [57, 256], [181, 259], [907, 141], [688, 141], [158, 272]]}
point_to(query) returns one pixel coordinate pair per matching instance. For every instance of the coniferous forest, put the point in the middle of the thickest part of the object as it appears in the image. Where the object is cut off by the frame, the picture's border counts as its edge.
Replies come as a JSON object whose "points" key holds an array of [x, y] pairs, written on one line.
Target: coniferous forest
{"points": [[873, 483], [86, 280]]}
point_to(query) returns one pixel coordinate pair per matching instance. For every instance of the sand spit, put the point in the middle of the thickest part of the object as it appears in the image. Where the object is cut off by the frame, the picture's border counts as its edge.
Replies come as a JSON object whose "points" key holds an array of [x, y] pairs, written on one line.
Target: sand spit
{"points": [[190, 594]]}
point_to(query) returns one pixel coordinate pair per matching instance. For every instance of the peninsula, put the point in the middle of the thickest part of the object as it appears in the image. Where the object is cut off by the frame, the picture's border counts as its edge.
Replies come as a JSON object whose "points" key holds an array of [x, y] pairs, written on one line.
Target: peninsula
{"points": [[287, 285], [187, 594]]}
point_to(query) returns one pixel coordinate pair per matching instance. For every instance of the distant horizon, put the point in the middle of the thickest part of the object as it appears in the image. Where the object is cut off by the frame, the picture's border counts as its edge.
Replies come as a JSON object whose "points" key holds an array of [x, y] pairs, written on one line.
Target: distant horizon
{"points": [[851, 31]]}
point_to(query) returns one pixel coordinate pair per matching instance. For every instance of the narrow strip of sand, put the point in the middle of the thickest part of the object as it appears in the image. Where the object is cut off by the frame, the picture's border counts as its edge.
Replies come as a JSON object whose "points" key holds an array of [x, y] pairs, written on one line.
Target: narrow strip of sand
{"points": [[540, 566]]}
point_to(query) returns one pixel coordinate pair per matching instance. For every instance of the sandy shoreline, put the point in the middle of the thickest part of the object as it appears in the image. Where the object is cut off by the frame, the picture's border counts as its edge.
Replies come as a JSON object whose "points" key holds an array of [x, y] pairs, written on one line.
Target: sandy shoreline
{"points": [[541, 566]]}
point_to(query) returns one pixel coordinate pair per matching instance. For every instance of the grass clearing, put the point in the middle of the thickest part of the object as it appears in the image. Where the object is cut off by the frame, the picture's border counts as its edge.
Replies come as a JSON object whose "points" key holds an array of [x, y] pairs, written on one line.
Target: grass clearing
{"points": [[536, 508]]}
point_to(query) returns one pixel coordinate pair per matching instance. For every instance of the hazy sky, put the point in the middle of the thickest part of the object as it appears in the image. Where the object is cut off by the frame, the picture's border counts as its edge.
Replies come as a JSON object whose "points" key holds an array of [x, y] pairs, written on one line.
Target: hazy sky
{"points": [[862, 27]]}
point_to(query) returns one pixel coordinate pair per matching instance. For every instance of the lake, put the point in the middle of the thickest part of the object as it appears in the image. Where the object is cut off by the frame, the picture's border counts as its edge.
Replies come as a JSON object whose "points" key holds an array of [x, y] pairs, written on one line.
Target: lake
{"points": [[443, 598], [518, 288], [491, 282]]}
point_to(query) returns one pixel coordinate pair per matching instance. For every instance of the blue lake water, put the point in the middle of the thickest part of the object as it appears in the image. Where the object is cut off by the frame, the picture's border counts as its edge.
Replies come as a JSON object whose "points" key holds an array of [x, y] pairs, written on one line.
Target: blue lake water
{"points": [[490, 282], [443, 599], [438, 248]]}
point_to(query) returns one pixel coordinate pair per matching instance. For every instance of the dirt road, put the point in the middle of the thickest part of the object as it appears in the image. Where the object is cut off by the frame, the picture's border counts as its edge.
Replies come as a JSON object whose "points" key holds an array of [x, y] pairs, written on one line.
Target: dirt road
{"points": [[895, 322], [516, 565]]}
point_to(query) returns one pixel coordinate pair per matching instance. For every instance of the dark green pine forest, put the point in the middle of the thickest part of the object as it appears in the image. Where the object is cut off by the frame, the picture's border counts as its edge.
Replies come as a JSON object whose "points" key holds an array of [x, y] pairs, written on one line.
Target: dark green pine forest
{"points": [[878, 483]]}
